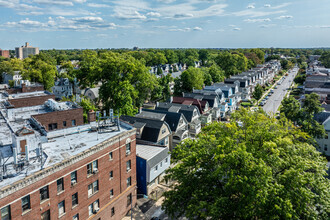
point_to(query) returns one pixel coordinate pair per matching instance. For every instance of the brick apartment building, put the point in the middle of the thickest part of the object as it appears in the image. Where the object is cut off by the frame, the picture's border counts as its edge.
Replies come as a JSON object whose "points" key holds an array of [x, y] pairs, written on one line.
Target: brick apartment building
{"points": [[4, 53], [81, 173]]}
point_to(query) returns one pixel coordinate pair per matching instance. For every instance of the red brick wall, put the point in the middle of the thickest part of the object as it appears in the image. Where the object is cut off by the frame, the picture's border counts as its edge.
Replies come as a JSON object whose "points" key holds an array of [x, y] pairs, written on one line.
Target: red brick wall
{"points": [[25, 89], [4, 53], [118, 183], [30, 101], [60, 116]]}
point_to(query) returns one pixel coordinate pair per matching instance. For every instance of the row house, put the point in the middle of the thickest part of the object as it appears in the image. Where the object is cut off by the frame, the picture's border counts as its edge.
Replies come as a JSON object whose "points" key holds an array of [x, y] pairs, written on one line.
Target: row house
{"points": [[152, 162], [64, 88], [212, 99], [176, 121], [53, 166], [154, 131], [220, 101], [232, 94], [202, 105], [190, 112]]}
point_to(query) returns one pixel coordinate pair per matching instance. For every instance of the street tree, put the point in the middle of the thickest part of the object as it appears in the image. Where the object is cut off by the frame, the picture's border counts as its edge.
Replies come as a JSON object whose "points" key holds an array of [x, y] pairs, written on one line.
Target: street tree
{"points": [[257, 93], [192, 78], [255, 167], [303, 116]]}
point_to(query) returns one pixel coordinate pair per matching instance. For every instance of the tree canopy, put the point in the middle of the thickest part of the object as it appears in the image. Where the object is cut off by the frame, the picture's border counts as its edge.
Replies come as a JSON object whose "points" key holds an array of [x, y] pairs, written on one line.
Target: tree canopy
{"points": [[255, 167], [257, 93], [303, 116], [192, 78], [126, 82]]}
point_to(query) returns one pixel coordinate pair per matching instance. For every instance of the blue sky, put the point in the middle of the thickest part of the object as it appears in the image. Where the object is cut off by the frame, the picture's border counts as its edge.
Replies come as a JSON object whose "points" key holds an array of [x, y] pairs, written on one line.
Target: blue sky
{"points": [[64, 24]]}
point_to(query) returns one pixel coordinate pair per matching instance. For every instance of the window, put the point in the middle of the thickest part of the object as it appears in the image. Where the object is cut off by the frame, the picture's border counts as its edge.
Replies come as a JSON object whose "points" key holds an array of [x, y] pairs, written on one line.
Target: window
{"points": [[26, 203], [112, 211], [74, 199], [73, 122], [111, 156], [60, 185], [52, 126], [44, 193], [111, 174], [61, 208], [129, 181], [93, 188], [111, 193], [64, 123], [128, 148], [75, 217], [92, 167], [93, 208], [73, 177], [326, 136], [128, 165], [5, 213], [166, 159], [45, 215], [163, 130], [156, 168], [325, 147], [129, 199], [161, 164]]}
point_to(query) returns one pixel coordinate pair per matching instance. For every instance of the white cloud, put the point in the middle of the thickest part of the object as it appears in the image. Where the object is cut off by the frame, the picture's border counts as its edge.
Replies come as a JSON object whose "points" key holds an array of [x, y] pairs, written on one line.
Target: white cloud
{"points": [[267, 5], [251, 6], [131, 16], [166, 1], [183, 15], [257, 20], [281, 5], [79, 1], [236, 29], [54, 2], [197, 29], [94, 5], [153, 14], [285, 17], [255, 13]]}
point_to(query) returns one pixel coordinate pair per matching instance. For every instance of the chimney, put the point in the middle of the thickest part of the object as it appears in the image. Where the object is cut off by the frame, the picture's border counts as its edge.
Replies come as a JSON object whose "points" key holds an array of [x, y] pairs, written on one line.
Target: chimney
{"points": [[171, 98], [24, 89], [157, 104], [26, 44], [91, 116]]}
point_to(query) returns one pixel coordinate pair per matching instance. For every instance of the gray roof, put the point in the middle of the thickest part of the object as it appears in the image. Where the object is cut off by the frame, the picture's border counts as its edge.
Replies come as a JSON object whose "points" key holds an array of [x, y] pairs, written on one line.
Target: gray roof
{"points": [[152, 154], [322, 117], [152, 115]]}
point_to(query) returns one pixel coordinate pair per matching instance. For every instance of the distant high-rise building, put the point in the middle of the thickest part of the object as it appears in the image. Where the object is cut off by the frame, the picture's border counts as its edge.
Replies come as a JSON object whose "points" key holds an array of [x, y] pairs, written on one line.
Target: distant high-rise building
{"points": [[4, 53], [24, 51]]}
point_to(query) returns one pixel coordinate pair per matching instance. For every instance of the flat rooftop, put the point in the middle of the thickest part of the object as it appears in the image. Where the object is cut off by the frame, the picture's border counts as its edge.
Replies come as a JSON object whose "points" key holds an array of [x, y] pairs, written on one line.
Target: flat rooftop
{"points": [[62, 146], [28, 95]]}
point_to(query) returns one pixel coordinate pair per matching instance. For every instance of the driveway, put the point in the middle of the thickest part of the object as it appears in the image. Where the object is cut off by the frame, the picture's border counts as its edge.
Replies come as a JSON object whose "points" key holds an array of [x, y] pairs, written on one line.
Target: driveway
{"points": [[274, 101]]}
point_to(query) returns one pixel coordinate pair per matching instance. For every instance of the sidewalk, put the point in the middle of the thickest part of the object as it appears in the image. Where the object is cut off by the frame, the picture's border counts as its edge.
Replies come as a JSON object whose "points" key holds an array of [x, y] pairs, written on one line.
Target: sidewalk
{"points": [[152, 209]]}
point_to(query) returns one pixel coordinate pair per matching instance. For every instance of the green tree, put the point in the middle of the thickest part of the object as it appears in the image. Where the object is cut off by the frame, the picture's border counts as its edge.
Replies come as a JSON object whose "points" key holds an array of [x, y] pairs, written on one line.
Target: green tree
{"points": [[257, 93], [126, 82], [217, 74], [232, 64], [39, 69], [203, 55], [325, 59], [159, 71], [254, 167], [304, 116], [171, 56], [192, 78]]}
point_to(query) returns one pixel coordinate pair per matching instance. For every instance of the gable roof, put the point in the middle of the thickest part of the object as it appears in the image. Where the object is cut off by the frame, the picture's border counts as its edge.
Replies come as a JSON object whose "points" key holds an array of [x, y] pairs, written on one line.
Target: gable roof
{"points": [[200, 104], [151, 130], [186, 110], [321, 117], [171, 118]]}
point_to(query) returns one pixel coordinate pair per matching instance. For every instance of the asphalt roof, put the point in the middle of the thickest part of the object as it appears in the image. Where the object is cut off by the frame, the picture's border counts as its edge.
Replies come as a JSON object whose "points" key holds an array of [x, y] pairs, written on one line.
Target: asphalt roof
{"points": [[186, 110], [171, 118], [151, 129]]}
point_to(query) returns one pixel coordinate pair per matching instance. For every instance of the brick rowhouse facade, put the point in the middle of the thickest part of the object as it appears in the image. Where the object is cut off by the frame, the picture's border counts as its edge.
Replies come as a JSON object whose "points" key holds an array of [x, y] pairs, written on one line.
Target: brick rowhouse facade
{"points": [[59, 117], [31, 185], [30, 101]]}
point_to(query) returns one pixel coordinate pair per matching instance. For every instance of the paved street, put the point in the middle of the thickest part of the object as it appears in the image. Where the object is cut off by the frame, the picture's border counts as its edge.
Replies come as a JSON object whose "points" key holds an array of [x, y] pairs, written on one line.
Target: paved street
{"points": [[276, 98]]}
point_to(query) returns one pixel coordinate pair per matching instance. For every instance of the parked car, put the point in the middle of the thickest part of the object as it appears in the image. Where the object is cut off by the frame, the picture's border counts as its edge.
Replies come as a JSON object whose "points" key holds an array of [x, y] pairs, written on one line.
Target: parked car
{"points": [[261, 103], [275, 87]]}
